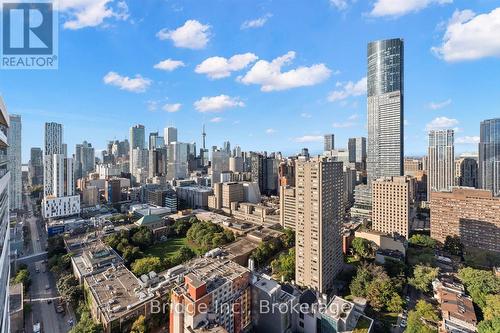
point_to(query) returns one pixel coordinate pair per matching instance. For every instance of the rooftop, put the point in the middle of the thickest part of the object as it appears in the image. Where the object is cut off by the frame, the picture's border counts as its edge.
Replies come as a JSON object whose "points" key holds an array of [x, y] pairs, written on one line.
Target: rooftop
{"points": [[458, 306]]}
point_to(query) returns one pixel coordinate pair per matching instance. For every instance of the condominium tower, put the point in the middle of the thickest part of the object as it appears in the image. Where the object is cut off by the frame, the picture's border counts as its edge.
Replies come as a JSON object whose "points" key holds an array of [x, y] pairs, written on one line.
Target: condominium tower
{"points": [[170, 135], [329, 142], [385, 108], [14, 155], [441, 164], [489, 156], [53, 145], [319, 211]]}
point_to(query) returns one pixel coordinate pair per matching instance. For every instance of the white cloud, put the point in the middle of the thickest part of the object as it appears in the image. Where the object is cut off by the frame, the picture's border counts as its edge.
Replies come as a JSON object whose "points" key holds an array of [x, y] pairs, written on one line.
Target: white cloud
{"points": [[269, 75], [220, 67], [137, 84], [257, 23], [345, 124], [441, 123], [270, 131], [463, 140], [348, 89], [216, 120], [353, 117], [306, 115], [192, 35], [469, 36], [152, 105], [172, 107], [217, 103], [309, 138], [169, 65], [439, 105], [340, 4], [402, 7], [91, 13]]}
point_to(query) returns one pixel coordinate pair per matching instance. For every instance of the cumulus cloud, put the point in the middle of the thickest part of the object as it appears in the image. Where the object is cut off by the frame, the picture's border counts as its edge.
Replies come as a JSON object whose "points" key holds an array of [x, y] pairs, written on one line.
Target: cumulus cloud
{"points": [[402, 7], [169, 65], [256, 23], [220, 67], [440, 123], [306, 115], [464, 140], [192, 35], [469, 36], [137, 84], [80, 14], [270, 131], [216, 120], [309, 138], [439, 105], [348, 89], [217, 103], [340, 4], [172, 107], [269, 76]]}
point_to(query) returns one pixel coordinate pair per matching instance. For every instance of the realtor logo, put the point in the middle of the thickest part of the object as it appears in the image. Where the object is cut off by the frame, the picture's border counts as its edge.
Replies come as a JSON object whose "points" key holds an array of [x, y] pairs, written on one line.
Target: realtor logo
{"points": [[29, 35]]}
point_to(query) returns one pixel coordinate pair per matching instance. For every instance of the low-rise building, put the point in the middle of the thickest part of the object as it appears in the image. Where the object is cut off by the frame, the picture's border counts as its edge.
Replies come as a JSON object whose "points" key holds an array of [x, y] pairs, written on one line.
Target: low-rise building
{"points": [[54, 207]]}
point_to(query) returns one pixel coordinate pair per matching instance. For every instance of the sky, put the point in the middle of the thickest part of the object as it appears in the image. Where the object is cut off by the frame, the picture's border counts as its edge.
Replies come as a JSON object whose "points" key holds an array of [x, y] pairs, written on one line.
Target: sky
{"points": [[270, 75]]}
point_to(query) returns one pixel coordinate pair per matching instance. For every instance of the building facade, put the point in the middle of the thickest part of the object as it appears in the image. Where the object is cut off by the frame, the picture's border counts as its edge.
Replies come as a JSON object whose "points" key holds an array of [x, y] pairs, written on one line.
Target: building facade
{"points": [[170, 135], [14, 155], [319, 203], [53, 145], [466, 172], [385, 108], [288, 208], [329, 142], [36, 167], [441, 167], [471, 214], [489, 156]]}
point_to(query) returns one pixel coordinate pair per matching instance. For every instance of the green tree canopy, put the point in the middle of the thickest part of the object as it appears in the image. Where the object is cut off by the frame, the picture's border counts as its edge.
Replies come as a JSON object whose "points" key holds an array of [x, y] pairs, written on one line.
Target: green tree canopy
{"points": [[479, 284], [423, 319], [139, 325], [146, 265], [422, 240], [422, 277], [361, 247], [453, 245], [284, 265]]}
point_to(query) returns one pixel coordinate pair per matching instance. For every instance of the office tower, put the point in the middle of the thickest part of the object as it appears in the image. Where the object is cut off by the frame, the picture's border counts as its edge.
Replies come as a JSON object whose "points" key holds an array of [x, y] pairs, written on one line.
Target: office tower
{"points": [[357, 150], [237, 151], [288, 209], [84, 159], [153, 137], [392, 203], [14, 156], [177, 157], [339, 155], [220, 164], [329, 142], [264, 172], [227, 147], [157, 164], [236, 164], [4, 220], [304, 152], [349, 186], [137, 137], [112, 190], [319, 191], [232, 192], [385, 109], [466, 172], [441, 153], [170, 135], [36, 167], [53, 145], [489, 156], [139, 164], [473, 215], [412, 166]]}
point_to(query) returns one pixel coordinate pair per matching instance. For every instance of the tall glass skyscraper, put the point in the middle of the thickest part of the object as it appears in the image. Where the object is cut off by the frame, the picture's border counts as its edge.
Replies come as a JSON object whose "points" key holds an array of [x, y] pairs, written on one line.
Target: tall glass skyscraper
{"points": [[441, 163], [385, 108], [489, 156]]}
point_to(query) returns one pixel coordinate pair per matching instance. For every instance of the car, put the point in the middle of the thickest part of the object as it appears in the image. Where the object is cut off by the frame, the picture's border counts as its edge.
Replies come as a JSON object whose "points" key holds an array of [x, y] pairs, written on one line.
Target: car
{"points": [[403, 323]]}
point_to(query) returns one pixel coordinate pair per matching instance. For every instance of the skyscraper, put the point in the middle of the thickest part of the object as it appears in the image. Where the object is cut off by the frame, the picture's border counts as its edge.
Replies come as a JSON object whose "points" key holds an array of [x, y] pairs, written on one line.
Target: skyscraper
{"points": [[14, 156], [441, 166], [4, 221], [53, 145], [357, 150], [329, 142], [36, 167], [319, 211], [137, 137], [385, 108], [466, 172], [170, 135], [84, 159], [489, 156]]}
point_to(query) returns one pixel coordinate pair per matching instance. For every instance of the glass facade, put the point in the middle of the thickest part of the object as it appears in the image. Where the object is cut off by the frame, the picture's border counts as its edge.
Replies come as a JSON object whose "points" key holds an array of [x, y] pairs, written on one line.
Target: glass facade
{"points": [[489, 156]]}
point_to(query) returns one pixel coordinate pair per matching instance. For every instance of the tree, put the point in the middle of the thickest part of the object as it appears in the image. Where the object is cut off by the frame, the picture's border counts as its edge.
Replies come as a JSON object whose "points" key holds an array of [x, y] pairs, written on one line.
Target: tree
{"points": [[142, 237], [22, 276], [453, 245], [422, 319], [422, 240], [139, 325], [479, 284], [361, 247], [491, 308], [131, 254], [395, 303], [289, 238], [182, 226], [69, 288], [422, 277], [86, 325], [489, 326], [394, 267], [146, 265], [284, 265]]}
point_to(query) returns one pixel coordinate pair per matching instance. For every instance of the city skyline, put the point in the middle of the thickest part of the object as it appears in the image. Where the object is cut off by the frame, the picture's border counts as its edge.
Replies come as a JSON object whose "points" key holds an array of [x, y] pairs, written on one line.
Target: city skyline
{"points": [[327, 94]]}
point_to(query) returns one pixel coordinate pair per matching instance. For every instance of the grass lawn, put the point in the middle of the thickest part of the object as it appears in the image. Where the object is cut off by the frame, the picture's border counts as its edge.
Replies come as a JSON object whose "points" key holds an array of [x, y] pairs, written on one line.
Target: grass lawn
{"points": [[166, 249]]}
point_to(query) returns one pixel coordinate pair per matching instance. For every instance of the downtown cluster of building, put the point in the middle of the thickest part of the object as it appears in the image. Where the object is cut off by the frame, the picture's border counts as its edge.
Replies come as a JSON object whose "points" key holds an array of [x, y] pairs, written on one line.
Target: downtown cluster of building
{"points": [[370, 182]]}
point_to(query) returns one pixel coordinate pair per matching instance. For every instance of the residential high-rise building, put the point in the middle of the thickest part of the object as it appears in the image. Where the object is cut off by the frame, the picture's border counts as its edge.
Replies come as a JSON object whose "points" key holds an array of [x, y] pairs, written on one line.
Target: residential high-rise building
{"points": [[471, 214], [53, 145], [36, 167], [466, 172], [357, 150], [441, 164], [177, 157], [84, 159], [14, 155], [288, 209], [392, 203], [489, 156], [329, 142], [63, 177], [170, 135], [385, 108], [227, 147], [264, 172], [319, 211], [4, 220], [137, 137]]}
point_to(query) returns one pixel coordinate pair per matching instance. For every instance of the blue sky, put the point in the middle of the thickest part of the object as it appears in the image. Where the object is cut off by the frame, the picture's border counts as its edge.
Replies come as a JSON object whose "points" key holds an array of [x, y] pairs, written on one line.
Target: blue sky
{"points": [[298, 72]]}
